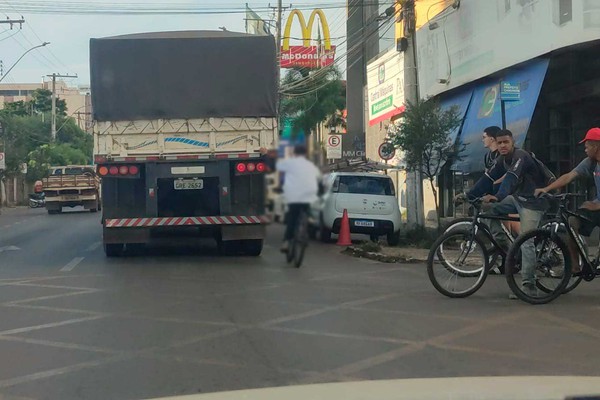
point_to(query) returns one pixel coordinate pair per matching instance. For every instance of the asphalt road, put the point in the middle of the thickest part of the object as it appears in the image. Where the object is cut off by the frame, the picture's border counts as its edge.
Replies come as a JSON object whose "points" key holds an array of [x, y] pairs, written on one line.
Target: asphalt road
{"points": [[171, 321]]}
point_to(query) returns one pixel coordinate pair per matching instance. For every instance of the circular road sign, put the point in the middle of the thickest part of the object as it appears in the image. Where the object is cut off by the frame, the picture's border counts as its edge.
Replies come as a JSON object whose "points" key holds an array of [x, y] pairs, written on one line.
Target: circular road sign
{"points": [[387, 151]]}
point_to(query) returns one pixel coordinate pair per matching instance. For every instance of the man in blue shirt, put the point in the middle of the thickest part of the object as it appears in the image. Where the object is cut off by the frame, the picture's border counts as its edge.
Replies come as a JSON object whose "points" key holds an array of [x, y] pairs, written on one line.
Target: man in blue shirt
{"points": [[589, 167], [516, 195]]}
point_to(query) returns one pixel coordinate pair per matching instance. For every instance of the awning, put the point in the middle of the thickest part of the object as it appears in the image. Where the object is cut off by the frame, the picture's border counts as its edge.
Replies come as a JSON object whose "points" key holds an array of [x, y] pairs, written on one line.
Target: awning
{"points": [[461, 99], [485, 111]]}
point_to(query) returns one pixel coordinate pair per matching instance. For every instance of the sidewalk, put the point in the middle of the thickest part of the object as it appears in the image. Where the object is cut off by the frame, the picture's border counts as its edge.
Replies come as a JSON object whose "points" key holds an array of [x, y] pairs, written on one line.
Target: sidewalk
{"points": [[390, 254]]}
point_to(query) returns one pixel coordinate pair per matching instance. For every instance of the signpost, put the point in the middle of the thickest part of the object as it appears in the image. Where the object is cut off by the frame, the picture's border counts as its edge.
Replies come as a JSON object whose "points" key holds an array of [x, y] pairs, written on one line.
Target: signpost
{"points": [[334, 147], [509, 91]]}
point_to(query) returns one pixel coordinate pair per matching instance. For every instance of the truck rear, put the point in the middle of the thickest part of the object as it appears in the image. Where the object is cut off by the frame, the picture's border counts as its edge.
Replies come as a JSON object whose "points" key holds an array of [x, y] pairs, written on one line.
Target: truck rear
{"points": [[71, 186], [179, 124]]}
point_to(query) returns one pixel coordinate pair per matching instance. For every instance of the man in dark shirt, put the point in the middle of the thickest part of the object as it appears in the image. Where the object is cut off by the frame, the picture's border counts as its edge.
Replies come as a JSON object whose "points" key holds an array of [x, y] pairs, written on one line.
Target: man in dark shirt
{"points": [[489, 142], [516, 195], [589, 167]]}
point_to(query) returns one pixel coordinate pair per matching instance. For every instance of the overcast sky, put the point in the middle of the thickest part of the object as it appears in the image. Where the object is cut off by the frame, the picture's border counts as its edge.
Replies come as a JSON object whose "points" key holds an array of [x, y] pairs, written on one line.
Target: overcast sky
{"points": [[69, 34]]}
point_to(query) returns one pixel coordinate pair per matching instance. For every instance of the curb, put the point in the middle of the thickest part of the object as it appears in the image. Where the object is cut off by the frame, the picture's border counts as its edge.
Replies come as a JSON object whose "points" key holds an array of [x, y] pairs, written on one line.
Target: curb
{"points": [[384, 258]]}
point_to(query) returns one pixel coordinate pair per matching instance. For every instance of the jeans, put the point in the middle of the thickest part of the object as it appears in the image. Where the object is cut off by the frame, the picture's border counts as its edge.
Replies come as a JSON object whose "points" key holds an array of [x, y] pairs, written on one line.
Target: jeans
{"points": [[530, 220], [293, 214]]}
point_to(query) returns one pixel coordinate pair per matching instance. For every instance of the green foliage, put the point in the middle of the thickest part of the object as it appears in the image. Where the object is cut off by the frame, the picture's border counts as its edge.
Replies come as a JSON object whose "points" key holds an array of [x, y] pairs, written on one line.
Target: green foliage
{"points": [[423, 134], [419, 236], [311, 98], [18, 108], [41, 100], [45, 156]]}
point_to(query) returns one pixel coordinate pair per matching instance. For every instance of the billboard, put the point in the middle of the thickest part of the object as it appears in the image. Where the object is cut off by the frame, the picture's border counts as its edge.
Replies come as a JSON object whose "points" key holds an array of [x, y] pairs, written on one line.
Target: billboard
{"points": [[482, 37], [307, 55], [385, 86]]}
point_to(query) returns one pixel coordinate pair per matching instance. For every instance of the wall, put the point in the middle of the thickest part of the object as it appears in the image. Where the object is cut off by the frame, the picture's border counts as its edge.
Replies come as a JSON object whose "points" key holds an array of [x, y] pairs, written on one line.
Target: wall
{"points": [[482, 37]]}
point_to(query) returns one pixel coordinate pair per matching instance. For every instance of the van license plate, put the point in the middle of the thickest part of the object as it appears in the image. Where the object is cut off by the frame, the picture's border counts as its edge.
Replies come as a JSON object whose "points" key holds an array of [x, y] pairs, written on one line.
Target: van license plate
{"points": [[189, 184], [368, 224]]}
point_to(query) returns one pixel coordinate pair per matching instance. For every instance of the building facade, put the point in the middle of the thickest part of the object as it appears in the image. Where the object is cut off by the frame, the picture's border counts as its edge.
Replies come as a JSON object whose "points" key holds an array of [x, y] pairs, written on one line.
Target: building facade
{"points": [[78, 99]]}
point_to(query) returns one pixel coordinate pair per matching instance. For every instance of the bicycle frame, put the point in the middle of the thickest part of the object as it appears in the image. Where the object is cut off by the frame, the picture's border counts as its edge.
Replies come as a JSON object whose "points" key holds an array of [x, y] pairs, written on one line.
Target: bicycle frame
{"points": [[588, 270], [479, 224]]}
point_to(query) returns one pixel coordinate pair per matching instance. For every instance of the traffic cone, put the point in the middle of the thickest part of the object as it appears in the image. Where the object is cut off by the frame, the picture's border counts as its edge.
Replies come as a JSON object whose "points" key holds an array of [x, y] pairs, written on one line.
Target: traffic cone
{"points": [[344, 236]]}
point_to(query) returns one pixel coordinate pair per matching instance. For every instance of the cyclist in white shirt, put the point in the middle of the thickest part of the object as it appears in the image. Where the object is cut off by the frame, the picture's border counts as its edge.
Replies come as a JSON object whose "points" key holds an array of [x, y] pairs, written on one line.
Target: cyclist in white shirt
{"points": [[300, 188]]}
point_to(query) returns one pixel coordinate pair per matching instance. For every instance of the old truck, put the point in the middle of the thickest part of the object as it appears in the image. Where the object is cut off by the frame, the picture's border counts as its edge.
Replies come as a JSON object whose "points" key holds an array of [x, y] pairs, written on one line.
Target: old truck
{"points": [[179, 122], [71, 186]]}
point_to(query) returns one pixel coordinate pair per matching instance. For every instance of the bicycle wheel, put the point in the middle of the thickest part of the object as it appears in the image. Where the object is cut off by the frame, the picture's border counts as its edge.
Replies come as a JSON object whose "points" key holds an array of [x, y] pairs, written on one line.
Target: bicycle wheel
{"points": [[461, 224], [552, 267], [462, 251], [300, 240]]}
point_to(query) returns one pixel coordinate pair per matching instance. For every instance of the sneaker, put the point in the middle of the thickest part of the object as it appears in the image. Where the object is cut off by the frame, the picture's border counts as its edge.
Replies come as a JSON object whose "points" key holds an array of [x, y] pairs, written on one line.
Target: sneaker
{"points": [[495, 271], [285, 246], [530, 289]]}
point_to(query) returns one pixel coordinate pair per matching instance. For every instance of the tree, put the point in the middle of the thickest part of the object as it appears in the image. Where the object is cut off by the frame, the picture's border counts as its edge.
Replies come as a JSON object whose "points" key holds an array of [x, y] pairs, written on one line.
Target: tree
{"points": [[45, 156], [41, 100], [18, 108], [423, 134], [309, 98]]}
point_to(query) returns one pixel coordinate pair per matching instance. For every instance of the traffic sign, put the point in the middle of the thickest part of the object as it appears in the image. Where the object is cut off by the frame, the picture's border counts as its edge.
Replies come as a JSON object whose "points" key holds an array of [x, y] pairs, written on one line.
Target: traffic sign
{"points": [[334, 147], [510, 91], [386, 151], [2, 161]]}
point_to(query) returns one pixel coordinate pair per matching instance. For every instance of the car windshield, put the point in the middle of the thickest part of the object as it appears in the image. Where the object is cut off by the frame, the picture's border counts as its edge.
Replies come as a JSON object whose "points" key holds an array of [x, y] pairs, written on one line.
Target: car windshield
{"points": [[365, 185]]}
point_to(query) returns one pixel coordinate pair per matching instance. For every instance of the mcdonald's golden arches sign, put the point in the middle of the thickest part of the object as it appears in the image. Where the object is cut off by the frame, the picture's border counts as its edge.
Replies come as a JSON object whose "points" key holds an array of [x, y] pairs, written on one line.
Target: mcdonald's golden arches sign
{"points": [[307, 55]]}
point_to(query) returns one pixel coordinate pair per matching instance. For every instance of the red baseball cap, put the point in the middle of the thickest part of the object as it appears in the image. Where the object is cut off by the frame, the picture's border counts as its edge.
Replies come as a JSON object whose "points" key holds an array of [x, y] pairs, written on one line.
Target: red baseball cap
{"points": [[592, 134]]}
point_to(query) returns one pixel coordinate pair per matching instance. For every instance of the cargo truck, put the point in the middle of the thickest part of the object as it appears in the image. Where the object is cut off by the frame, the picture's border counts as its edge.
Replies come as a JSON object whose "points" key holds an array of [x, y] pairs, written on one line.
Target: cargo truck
{"points": [[179, 121]]}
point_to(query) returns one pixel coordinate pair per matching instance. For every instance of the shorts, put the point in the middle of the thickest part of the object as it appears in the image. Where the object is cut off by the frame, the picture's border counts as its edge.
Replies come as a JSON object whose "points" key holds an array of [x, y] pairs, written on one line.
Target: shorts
{"points": [[590, 220]]}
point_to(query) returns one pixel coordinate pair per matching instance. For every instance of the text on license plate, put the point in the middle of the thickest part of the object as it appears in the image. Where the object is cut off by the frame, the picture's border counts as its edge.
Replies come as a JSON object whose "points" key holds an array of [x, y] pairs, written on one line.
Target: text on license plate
{"points": [[369, 224], [188, 184]]}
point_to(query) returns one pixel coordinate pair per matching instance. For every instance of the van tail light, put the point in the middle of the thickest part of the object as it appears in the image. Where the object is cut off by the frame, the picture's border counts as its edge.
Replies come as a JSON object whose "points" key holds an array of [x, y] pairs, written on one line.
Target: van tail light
{"points": [[241, 167]]}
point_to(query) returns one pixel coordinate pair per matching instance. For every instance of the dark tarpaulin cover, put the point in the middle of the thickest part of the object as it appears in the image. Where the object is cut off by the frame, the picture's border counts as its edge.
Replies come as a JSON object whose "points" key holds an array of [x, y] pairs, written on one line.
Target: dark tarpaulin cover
{"points": [[189, 74]]}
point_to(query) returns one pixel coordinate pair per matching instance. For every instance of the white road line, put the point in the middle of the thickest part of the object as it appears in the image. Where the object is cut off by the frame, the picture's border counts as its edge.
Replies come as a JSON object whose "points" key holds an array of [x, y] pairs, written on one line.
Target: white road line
{"points": [[71, 265], [94, 246]]}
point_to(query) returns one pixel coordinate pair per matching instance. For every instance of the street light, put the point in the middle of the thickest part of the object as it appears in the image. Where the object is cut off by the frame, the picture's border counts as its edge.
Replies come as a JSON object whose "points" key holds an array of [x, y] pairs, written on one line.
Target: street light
{"points": [[20, 58]]}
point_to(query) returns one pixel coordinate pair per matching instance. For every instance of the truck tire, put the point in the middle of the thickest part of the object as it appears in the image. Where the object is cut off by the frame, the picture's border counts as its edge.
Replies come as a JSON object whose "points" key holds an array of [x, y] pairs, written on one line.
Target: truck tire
{"points": [[54, 212], [252, 247], [113, 249]]}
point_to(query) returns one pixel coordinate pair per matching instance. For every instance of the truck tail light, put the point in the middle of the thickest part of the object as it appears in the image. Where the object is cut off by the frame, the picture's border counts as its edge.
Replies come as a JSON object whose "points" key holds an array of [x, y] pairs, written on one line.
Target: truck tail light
{"points": [[114, 171], [103, 171], [133, 170], [250, 167], [261, 167], [123, 170], [241, 167]]}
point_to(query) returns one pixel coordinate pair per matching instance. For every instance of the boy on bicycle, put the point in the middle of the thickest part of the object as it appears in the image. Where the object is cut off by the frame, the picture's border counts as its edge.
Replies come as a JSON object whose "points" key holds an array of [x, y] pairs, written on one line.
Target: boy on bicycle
{"points": [[515, 196], [590, 210]]}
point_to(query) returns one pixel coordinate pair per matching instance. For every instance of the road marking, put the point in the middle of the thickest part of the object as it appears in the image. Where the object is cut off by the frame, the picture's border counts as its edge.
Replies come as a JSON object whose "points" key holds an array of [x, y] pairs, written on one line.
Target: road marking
{"points": [[9, 248], [50, 325], [94, 246], [71, 266]]}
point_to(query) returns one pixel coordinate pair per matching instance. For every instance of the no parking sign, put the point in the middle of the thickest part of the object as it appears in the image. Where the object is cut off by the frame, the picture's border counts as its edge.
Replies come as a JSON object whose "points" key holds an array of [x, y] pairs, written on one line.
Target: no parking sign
{"points": [[2, 161]]}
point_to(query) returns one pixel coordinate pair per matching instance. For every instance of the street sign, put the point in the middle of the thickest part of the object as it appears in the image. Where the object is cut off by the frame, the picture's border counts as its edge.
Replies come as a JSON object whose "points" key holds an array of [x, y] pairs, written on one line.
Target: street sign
{"points": [[334, 147], [2, 161], [510, 91], [386, 151]]}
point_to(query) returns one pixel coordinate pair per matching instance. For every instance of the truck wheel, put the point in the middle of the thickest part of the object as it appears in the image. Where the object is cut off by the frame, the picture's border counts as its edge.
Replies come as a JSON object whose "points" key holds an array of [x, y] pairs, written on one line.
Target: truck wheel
{"points": [[113, 250], [252, 247], [54, 212]]}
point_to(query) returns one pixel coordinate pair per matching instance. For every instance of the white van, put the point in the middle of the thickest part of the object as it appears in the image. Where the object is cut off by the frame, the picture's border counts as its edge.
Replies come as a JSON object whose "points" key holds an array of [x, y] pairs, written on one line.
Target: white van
{"points": [[370, 200]]}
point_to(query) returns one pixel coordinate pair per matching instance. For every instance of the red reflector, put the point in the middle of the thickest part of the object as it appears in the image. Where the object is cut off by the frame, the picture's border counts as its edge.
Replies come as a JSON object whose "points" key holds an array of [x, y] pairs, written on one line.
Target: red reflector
{"points": [[113, 170], [133, 170], [123, 170], [251, 167], [261, 167], [103, 171], [241, 167]]}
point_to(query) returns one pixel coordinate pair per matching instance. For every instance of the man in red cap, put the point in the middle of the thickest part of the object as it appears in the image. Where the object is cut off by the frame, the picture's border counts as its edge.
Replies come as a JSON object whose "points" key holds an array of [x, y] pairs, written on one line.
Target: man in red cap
{"points": [[589, 167]]}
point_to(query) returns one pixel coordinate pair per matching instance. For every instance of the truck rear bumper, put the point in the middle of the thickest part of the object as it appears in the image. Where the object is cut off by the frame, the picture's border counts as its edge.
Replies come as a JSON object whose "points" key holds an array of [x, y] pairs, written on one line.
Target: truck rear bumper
{"points": [[145, 230]]}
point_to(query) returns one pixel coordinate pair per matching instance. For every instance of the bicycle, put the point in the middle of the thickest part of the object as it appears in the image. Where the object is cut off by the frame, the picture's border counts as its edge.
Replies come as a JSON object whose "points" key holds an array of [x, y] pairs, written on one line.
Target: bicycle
{"points": [[463, 255], [461, 277], [299, 242], [553, 259]]}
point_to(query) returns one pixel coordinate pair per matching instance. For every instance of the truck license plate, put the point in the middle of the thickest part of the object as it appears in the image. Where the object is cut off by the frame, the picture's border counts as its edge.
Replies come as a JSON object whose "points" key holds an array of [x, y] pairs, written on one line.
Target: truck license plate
{"points": [[368, 224], [71, 198], [189, 184]]}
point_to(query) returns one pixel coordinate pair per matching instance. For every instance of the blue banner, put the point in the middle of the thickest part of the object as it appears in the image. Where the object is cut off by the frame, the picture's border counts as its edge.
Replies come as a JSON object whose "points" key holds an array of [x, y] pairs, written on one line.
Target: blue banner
{"points": [[485, 110]]}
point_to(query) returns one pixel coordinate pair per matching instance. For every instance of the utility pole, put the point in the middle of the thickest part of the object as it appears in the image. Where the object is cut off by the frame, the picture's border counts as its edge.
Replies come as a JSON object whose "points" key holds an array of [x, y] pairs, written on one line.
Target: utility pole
{"points": [[54, 76], [414, 180], [12, 22]]}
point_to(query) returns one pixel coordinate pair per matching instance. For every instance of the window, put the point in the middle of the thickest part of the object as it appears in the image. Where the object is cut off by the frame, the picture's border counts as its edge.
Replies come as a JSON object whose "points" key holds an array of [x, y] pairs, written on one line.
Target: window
{"points": [[364, 185]]}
